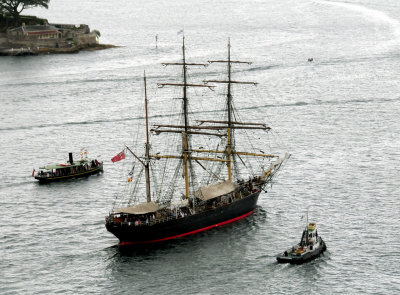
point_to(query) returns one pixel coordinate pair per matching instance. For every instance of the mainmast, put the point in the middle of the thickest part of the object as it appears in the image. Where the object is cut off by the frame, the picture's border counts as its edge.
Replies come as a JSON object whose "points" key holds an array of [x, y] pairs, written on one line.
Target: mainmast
{"points": [[185, 100], [147, 161], [185, 114], [229, 131], [186, 153], [229, 108], [229, 96]]}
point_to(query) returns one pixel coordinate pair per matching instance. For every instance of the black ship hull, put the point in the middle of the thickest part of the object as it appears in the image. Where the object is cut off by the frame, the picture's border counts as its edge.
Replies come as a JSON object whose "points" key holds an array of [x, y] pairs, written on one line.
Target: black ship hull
{"points": [[303, 258], [48, 179], [131, 235]]}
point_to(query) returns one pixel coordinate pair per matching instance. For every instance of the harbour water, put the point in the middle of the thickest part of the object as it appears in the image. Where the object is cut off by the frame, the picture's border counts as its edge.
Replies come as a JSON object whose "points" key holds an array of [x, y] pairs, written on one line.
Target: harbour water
{"points": [[338, 116]]}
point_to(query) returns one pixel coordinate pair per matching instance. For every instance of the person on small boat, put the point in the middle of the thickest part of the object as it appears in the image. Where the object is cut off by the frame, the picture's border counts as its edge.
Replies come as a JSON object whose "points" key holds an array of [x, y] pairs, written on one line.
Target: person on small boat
{"points": [[70, 169]]}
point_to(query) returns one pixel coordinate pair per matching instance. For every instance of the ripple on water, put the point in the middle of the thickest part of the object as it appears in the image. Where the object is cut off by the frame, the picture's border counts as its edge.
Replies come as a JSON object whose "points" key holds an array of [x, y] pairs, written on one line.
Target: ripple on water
{"points": [[338, 118]]}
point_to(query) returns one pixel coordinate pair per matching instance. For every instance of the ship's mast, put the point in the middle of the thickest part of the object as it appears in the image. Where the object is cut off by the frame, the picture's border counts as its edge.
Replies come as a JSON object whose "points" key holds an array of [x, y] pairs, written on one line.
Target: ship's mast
{"points": [[229, 107], [185, 114], [226, 127], [186, 153], [147, 162], [229, 145], [185, 100], [307, 227]]}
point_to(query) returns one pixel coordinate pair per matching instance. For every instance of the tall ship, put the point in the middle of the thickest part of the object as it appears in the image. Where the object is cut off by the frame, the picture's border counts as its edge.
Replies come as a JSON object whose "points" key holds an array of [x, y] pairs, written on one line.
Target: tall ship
{"points": [[195, 188]]}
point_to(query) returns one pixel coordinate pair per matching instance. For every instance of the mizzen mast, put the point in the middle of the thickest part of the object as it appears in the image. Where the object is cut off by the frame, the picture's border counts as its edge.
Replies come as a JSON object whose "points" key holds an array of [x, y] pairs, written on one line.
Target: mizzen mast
{"points": [[230, 123]]}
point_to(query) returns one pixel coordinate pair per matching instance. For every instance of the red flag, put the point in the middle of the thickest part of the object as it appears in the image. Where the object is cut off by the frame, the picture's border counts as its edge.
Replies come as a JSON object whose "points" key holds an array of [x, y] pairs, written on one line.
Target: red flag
{"points": [[119, 157]]}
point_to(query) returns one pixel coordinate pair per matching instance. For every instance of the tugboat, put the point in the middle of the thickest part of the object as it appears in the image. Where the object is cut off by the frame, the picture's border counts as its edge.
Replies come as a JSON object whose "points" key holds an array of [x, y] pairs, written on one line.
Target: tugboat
{"points": [[71, 169], [310, 247]]}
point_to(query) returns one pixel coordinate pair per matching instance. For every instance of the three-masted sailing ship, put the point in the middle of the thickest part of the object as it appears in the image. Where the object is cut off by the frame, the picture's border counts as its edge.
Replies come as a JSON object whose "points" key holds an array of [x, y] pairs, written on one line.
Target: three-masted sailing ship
{"points": [[221, 198]]}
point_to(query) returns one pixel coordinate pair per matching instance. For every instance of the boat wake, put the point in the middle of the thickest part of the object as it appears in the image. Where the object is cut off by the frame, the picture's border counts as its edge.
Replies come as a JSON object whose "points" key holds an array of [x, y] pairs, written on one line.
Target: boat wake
{"points": [[127, 119], [20, 183], [372, 15]]}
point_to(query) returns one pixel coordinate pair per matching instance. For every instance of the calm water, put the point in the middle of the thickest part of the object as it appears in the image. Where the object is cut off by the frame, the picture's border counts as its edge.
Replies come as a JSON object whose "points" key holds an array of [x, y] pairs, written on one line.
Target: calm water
{"points": [[338, 116]]}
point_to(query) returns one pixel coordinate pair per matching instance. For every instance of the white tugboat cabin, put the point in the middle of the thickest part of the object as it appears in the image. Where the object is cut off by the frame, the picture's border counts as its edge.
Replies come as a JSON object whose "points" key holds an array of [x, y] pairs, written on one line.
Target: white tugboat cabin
{"points": [[311, 246]]}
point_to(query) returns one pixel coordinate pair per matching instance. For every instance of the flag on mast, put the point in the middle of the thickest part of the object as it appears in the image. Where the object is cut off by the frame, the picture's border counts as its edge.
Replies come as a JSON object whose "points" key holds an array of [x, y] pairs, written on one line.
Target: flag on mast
{"points": [[119, 157]]}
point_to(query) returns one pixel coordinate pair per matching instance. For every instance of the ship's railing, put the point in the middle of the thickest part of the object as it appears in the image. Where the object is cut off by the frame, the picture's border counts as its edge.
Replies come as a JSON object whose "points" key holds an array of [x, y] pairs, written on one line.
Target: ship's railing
{"points": [[71, 170], [242, 192]]}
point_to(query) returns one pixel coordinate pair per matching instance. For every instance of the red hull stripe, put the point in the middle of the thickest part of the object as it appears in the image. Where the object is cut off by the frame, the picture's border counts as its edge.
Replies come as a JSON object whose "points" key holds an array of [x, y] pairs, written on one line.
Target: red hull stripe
{"points": [[188, 233]]}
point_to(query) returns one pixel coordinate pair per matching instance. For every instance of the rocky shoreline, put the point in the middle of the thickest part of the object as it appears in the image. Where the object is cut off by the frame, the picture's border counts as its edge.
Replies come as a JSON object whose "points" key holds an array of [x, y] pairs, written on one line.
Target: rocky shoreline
{"points": [[45, 38], [23, 51]]}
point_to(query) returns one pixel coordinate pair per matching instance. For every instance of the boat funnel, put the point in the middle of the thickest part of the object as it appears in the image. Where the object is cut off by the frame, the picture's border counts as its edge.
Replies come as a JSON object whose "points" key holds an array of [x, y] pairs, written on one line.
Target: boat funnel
{"points": [[71, 159]]}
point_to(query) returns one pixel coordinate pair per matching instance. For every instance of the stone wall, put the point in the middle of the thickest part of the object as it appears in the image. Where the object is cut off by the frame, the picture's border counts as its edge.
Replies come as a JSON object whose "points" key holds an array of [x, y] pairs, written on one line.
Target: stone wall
{"points": [[82, 41], [50, 43], [3, 40], [87, 39]]}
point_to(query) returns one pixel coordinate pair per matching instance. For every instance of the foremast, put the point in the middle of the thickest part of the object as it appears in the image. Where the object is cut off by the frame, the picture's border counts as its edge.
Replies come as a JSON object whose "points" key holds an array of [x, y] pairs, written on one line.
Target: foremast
{"points": [[146, 162], [147, 159]]}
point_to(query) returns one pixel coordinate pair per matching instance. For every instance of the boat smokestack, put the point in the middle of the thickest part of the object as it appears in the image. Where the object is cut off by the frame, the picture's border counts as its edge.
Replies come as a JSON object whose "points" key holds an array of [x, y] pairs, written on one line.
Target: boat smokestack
{"points": [[71, 159]]}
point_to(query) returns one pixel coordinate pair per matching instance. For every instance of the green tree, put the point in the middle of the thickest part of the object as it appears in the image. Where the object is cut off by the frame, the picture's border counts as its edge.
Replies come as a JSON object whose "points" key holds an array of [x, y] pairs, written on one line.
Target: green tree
{"points": [[15, 7], [2, 10]]}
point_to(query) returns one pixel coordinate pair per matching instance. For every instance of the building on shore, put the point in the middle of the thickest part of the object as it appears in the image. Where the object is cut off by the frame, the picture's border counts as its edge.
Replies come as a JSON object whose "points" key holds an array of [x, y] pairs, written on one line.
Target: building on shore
{"points": [[34, 36], [50, 37]]}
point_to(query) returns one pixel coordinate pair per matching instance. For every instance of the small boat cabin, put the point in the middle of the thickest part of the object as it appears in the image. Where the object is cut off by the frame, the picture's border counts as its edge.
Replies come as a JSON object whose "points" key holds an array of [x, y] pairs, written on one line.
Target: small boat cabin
{"points": [[71, 169]]}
